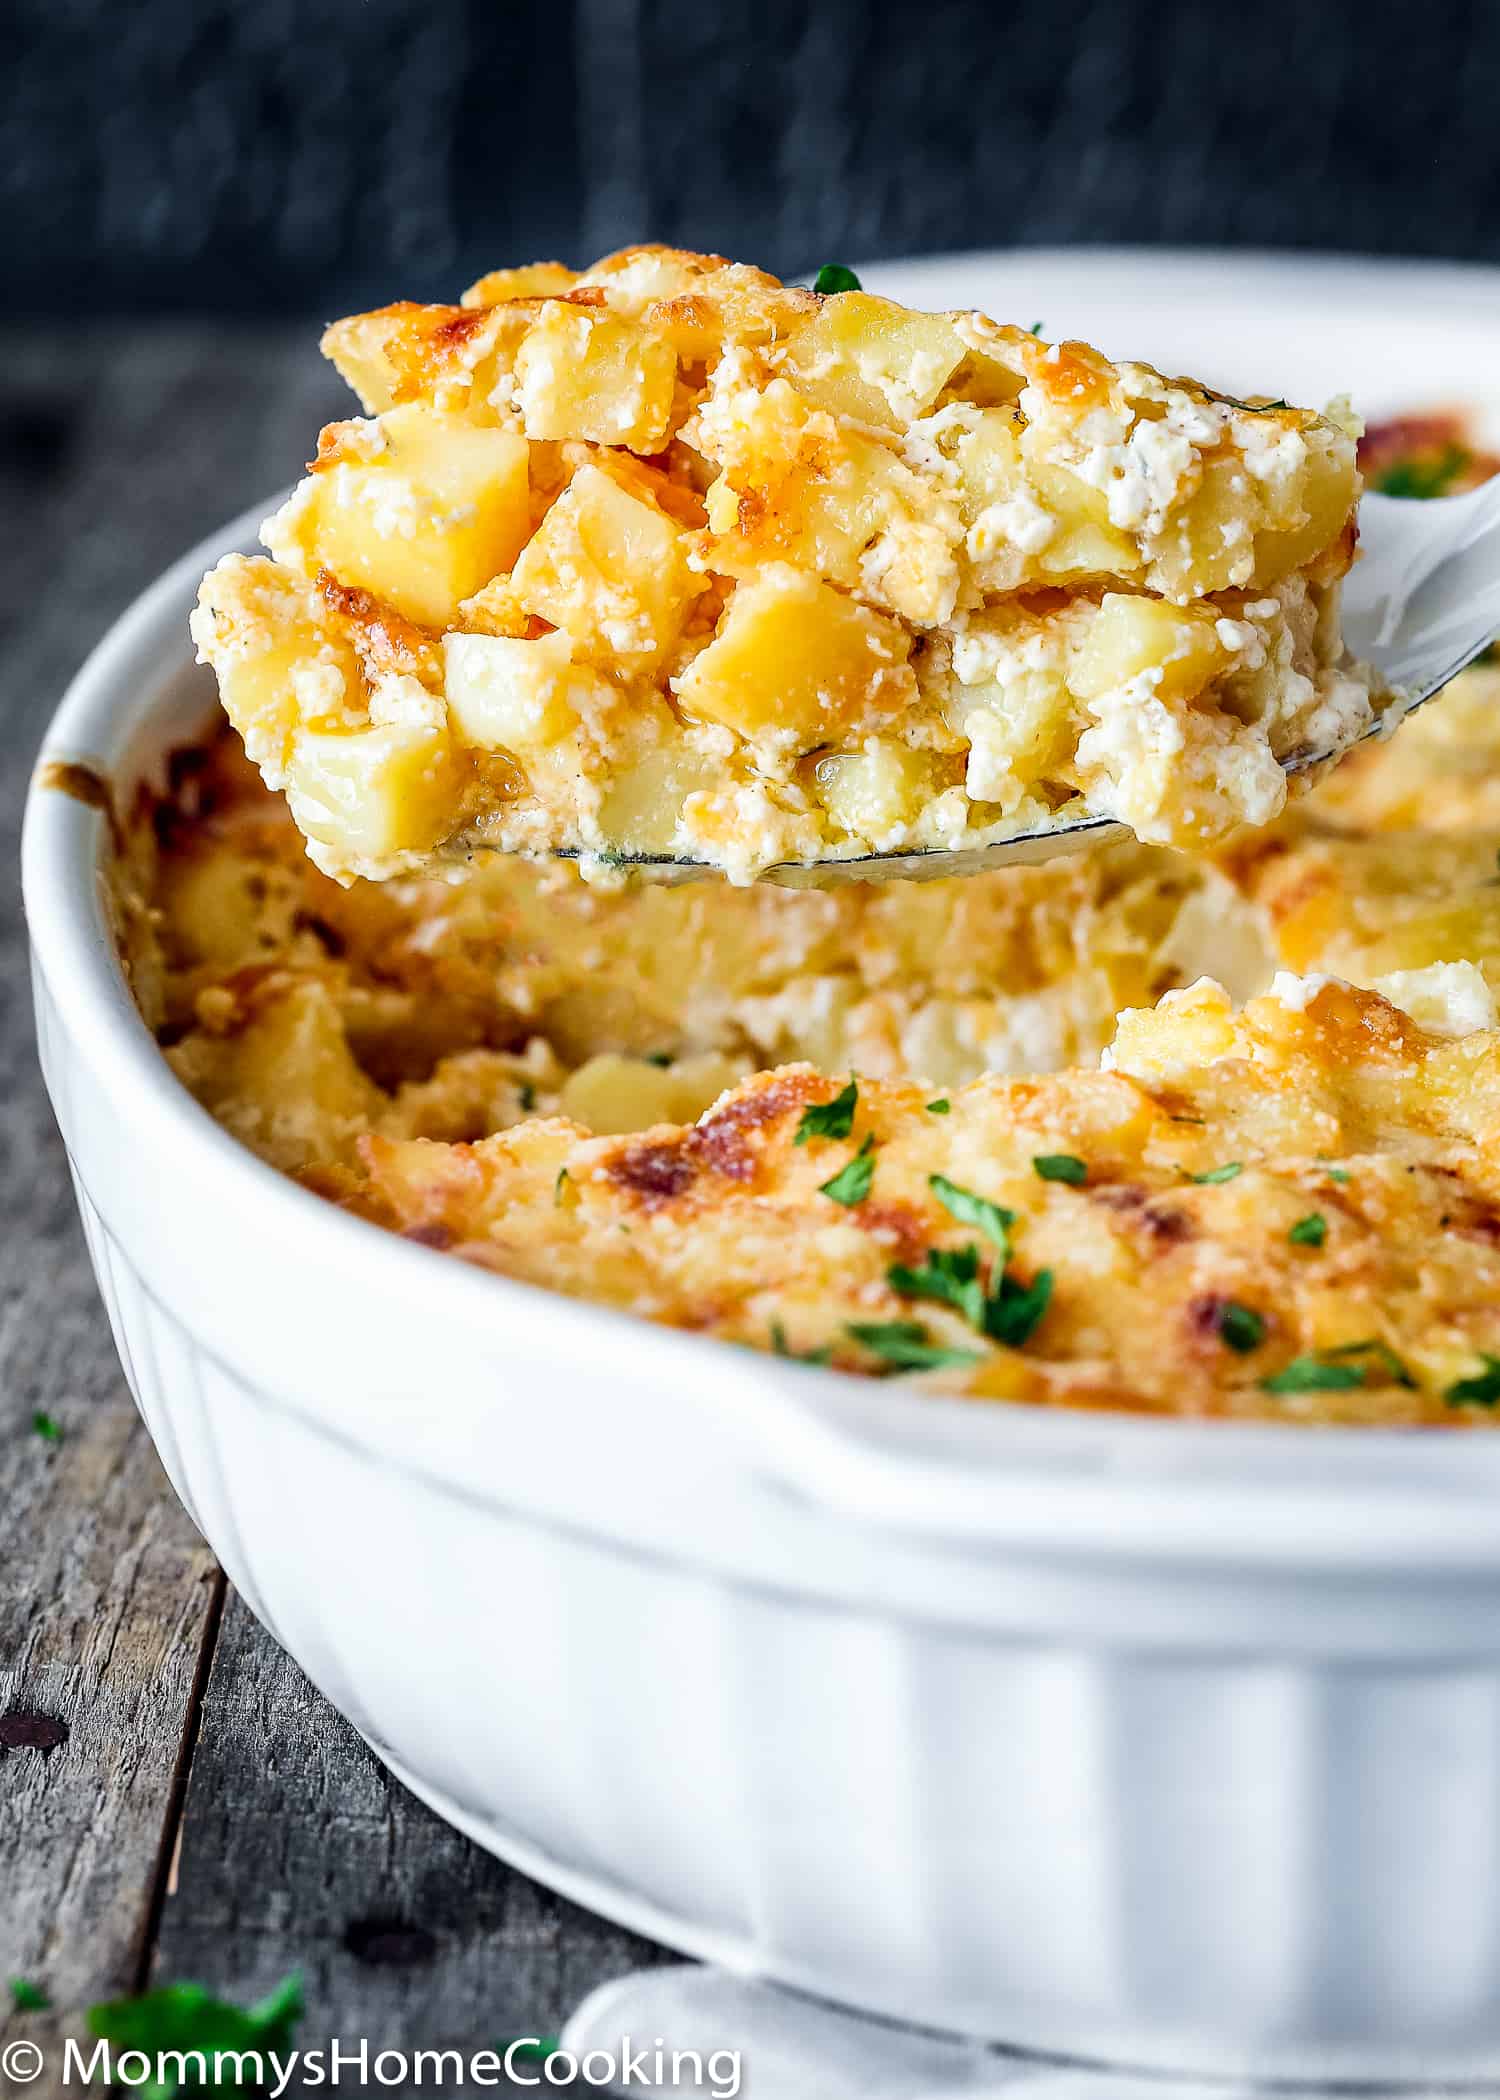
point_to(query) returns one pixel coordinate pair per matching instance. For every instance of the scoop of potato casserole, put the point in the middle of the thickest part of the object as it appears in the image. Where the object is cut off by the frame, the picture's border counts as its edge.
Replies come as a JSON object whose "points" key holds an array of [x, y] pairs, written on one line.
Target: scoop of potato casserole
{"points": [[997, 1133], [670, 560]]}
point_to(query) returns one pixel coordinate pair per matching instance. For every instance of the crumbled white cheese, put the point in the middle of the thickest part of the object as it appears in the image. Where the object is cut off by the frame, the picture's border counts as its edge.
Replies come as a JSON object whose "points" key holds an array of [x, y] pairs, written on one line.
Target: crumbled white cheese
{"points": [[1142, 478], [1019, 521], [1297, 993], [1447, 998]]}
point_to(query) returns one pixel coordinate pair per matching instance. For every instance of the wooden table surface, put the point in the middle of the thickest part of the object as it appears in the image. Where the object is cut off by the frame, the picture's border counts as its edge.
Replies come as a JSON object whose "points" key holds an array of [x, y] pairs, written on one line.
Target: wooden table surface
{"points": [[176, 1801]]}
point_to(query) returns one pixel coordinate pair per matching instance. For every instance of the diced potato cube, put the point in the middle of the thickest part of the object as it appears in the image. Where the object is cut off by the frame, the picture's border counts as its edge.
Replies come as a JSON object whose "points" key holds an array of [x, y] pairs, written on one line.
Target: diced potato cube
{"points": [[422, 525], [1129, 636], [1207, 544], [793, 653], [369, 795], [1085, 543], [875, 791], [1327, 496], [279, 661], [513, 695], [814, 496], [610, 569], [867, 358], [589, 374], [988, 462], [541, 280], [612, 1094], [643, 802], [409, 352]]}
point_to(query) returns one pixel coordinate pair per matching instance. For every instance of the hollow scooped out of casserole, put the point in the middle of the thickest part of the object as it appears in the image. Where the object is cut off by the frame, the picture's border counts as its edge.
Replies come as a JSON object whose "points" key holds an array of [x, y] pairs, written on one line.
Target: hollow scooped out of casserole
{"points": [[670, 560]]}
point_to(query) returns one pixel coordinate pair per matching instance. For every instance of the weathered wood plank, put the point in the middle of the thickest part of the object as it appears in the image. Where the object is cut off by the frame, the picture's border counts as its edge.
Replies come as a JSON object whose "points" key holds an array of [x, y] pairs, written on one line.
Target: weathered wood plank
{"points": [[117, 450], [299, 1851]]}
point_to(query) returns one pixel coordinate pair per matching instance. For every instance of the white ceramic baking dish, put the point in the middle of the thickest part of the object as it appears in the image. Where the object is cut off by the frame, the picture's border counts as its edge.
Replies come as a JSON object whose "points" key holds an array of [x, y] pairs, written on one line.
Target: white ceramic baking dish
{"points": [[1166, 1744]]}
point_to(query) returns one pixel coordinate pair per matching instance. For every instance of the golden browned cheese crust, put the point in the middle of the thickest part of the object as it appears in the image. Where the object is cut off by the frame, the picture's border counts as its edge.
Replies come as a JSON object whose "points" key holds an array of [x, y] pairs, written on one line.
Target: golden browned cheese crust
{"points": [[1178, 1280], [667, 559]]}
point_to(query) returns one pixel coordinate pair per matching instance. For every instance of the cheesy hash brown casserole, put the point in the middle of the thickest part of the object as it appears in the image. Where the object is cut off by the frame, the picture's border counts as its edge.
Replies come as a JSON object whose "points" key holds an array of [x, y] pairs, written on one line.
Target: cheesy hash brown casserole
{"points": [[668, 559]]}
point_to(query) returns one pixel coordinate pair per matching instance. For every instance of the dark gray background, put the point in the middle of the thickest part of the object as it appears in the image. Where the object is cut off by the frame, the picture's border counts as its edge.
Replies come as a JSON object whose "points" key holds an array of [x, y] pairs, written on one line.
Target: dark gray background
{"points": [[304, 156]]}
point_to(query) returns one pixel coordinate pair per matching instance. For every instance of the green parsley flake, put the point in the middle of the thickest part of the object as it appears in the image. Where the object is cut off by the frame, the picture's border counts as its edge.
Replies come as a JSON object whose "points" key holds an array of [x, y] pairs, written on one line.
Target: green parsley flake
{"points": [[1383, 1354], [531, 2049], [829, 1119], [1012, 1311], [836, 277], [185, 2018], [1333, 1371], [26, 1996], [851, 1184], [1482, 1390], [528, 1097], [1422, 478], [1035, 328], [990, 1218], [1062, 1166], [42, 1425], [950, 1276], [781, 1347], [903, 1344], [1312, 1374], [939, 1107], [1338, 1174], [660, 1058], [1230, 1172], [1240, 1329], [1310, 1231], [562, 1181]]}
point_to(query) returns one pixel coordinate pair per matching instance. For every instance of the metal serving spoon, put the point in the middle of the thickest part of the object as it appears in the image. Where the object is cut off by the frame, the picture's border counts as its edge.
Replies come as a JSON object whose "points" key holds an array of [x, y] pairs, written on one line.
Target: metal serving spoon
{"points": [[1419, 605]]}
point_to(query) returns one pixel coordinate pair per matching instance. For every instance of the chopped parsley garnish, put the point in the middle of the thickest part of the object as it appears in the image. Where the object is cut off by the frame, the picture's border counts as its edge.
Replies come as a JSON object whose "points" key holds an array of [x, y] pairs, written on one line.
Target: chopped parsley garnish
{"points": [[1008, 1311], [1482, 1390], [1338, 1174], [836, 277], [1035, 328], [990, 1218], [1240, 1329], [42, 1425], [940, 1107], [532, 2048], [829, 1119], [1313, 1374], [1230, 1171], [1310, 1231], [185, 2018], [528, 1097], [1422, 477], [660, 1058], [851, 1184], [1334, 1371], [26, 1996], [1062, 1166], [1012, 1311], [1383, 1354], [903, 1344], [563, 1178], [950, 1276], [781, 1347]]}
